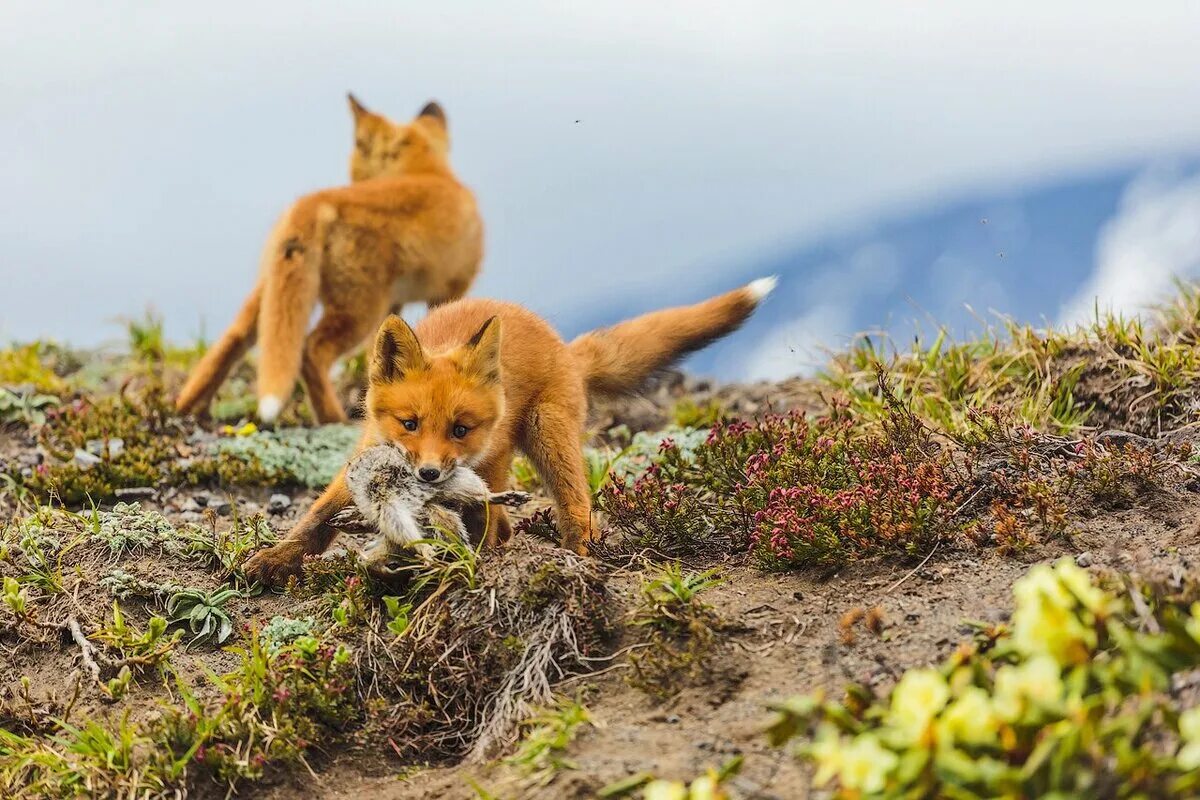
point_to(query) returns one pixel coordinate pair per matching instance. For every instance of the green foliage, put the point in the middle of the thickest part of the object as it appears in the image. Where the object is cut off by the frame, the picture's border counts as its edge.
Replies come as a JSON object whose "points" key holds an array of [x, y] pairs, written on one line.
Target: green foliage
{"points": [[546, 736], [129, 527], [141, 649], [230, 547], [1075, 699], [31, 365], [273, 708], [678, 630], [128, 442], [308, 456], [204, 612], [16, 600], [94, 760], [281, 631], [24, 407], [398, 614], [687, 413]]}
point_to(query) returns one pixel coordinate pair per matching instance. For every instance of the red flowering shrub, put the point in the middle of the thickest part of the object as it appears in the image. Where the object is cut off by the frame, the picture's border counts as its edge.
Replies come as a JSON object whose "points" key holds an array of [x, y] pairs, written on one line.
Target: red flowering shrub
{"points": [[797, 491]]}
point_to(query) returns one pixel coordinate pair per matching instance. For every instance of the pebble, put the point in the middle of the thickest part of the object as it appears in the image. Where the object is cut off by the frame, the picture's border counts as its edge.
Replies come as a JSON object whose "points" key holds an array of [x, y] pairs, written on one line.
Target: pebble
{"points": [[190, 506], [222, 507], [85, 460], [1083, 560], [278, 503], [136, 493]]}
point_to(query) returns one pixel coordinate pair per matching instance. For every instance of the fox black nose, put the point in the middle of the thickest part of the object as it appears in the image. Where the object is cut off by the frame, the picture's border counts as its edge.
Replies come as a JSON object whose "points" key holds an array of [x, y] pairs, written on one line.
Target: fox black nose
{"points": [[429, 474]]}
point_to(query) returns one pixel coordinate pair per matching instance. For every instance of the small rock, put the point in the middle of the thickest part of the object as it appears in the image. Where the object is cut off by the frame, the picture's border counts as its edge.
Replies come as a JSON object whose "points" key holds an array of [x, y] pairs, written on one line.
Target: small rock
{"points": [[222, 507], [190, 506], [191, 516], [672, 719], [136, 493], [85, 460], [278, 503], [1083, 560], [116, 447]]}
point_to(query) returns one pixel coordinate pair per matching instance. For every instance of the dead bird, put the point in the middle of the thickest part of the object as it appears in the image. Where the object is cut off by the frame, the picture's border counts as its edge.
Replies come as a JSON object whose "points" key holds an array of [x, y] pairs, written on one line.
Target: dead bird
{"points": [[392, 500]]}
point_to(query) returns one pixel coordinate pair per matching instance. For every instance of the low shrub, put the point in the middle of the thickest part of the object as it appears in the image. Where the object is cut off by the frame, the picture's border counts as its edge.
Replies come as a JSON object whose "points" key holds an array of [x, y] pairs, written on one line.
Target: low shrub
{"points": [[1077, 698]]}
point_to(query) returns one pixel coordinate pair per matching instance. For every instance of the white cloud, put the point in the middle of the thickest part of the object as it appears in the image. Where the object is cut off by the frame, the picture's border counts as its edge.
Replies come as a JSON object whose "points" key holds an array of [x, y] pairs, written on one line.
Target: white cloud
{"points": [[1153, 239], [796, 347]]}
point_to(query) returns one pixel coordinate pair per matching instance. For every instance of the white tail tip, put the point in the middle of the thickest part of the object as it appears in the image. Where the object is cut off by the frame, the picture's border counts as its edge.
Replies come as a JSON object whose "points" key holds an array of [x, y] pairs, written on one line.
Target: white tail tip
{"points": [[269, 408], [762, 287]]}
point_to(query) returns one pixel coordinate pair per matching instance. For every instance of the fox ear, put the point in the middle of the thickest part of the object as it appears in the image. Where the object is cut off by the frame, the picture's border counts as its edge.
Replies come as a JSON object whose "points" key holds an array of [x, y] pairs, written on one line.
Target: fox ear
{"points": [[356, 108], [397, 352], [481, 355], [434, 111]]}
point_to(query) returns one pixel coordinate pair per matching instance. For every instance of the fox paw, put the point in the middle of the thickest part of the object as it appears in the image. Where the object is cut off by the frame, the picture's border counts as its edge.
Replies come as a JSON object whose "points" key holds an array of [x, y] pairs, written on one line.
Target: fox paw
{"points": [[274, 565]]}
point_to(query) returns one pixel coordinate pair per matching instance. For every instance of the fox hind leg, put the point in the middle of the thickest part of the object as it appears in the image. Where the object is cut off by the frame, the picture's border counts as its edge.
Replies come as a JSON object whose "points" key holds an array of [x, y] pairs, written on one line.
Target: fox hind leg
{"points": [[336, 333]]}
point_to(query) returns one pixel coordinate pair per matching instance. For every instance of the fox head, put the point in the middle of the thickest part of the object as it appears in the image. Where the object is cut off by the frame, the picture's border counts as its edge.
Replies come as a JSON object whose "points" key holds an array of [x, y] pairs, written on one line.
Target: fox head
{"points": [[383, 147], [440, 409]]}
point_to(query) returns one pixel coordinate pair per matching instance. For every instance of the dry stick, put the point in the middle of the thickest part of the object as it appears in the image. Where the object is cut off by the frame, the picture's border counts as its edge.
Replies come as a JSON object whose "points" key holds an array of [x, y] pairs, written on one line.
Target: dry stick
{"points": [[86, 649], [915, 569]]}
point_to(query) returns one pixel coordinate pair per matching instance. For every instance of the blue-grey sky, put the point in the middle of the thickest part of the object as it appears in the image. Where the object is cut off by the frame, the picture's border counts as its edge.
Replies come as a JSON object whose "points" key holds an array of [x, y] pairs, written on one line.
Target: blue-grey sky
{"points": [[626, 154]]}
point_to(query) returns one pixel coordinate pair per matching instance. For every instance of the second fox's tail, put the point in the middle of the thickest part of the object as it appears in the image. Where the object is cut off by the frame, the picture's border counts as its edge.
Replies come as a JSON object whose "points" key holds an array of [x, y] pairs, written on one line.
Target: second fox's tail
{"points": [[619, 359], [275, 314]]}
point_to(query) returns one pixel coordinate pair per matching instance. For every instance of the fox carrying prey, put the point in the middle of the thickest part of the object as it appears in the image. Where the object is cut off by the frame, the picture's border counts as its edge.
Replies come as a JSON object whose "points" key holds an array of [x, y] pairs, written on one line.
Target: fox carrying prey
{"points": [[451, 393], [404, 231]]}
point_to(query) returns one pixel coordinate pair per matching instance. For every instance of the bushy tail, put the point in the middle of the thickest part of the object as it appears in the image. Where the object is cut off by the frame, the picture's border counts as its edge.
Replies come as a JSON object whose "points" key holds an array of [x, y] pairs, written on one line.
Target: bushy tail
{"points": [[619, 359], [291, 281], [276, 314]]}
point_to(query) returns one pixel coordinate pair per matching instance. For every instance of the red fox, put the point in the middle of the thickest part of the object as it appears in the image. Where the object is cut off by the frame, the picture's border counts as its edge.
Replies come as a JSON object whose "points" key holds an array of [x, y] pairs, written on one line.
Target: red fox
{"points": [[405, 230], [450, 393]]}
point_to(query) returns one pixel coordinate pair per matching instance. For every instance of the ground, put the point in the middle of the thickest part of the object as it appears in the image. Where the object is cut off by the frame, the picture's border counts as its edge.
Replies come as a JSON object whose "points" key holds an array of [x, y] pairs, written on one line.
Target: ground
{"points": [[1115, 493]]}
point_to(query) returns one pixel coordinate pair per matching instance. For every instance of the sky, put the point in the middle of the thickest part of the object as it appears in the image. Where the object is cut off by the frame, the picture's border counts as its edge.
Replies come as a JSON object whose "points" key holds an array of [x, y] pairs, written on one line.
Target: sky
{"points": [[626, 155]]}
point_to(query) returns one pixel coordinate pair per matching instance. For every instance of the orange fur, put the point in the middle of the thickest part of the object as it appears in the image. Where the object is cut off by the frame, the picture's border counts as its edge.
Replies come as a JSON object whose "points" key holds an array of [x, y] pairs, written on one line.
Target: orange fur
{"points": [[405, 230], [478, 380]]}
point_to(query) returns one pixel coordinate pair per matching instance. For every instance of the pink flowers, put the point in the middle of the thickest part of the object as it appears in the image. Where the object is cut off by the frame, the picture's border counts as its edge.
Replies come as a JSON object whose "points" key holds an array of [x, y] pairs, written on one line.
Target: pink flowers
{"points": [[796, 491]]}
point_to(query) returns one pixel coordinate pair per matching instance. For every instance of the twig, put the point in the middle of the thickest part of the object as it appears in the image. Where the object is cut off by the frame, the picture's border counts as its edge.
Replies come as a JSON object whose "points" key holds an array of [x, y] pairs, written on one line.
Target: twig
{"points": [[915, 569], [86, 649]]}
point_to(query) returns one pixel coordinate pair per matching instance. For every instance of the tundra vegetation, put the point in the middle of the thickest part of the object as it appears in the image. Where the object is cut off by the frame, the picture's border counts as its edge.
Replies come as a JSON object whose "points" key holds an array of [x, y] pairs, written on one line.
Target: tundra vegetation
{"points": [[140, 663]]}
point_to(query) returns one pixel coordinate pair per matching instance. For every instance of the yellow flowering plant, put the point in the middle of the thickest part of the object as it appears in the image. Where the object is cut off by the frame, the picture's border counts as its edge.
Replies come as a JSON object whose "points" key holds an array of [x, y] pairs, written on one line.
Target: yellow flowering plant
{"points": [[1074, 698]]}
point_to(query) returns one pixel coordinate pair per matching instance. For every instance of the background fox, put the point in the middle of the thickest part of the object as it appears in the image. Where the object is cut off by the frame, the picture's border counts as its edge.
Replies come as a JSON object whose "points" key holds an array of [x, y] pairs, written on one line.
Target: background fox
{"points": [[450, 393], [404, 230]]}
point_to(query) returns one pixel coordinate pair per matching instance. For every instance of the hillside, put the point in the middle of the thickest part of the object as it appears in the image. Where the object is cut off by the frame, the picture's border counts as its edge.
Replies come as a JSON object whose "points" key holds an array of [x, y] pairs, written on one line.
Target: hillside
{"points": [[775, 560]]}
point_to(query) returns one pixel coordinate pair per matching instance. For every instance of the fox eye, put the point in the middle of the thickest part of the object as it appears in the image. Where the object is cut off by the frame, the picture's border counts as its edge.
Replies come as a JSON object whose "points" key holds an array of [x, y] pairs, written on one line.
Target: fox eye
{"points": [[460, 431], [409, 424]]}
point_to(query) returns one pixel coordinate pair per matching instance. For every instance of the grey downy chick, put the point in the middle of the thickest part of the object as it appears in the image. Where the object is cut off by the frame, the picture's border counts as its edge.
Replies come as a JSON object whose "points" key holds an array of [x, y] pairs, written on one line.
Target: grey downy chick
{"points": [[390, 499]]}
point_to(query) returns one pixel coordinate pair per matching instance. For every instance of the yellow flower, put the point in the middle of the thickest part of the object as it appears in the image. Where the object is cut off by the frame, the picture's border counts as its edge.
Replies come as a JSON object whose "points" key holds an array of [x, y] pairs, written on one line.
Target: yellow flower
{"points": [[1189, 732], [706, 787], [866, 764], [826, 752], [1079, 582], [916, 700], [1048, 618], [1193, 623], [1035, 684], [970, 718], [665, 790]]}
